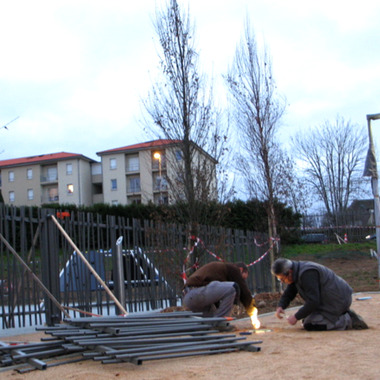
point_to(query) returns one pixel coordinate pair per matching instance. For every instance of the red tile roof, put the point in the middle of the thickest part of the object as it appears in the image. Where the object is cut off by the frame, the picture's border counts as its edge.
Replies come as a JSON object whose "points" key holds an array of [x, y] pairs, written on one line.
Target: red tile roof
{"points": [[140, 146], [41, 158]]}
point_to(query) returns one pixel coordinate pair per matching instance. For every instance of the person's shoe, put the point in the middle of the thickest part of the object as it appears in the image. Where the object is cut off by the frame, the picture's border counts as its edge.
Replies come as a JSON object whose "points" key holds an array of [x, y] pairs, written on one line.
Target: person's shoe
{"points": [[357, 321]]}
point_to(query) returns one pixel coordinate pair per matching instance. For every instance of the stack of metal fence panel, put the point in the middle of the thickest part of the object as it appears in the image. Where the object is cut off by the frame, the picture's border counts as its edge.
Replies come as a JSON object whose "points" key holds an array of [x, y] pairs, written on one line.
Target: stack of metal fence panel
{"points": [[132, 338]]}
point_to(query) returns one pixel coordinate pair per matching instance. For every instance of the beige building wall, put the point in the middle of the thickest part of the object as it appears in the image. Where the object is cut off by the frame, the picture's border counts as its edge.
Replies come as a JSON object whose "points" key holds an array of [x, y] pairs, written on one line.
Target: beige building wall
{"points": [[21, 184], [74, 186], [122, 177], [33, 183], [97, 183], [43, 183], [146, 178], [113, 168]]}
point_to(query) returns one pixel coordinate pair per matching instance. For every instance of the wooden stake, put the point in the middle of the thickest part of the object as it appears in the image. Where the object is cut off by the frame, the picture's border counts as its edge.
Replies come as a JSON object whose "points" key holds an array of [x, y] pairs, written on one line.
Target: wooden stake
{"points": [[89, 266]]}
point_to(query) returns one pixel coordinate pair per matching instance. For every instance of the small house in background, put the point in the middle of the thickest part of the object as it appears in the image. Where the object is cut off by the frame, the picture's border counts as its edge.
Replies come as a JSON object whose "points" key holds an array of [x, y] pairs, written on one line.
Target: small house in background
{"points": [[362, 211]]}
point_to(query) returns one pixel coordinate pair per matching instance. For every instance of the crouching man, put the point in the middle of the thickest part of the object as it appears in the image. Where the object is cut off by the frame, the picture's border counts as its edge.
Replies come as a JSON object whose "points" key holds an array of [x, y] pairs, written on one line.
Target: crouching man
{"points": [[327, 296], [215, 287]]}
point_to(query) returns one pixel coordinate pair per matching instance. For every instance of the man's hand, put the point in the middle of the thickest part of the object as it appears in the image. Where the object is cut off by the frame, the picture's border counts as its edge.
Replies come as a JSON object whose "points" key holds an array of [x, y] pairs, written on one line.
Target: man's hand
{"points": [[251, 308], [292, 320], [280, 312]]}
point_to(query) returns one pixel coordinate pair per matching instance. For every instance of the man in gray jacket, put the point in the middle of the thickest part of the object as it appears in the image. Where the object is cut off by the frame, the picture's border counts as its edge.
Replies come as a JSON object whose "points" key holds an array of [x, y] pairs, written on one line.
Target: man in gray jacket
{"points": [[327, 296]]}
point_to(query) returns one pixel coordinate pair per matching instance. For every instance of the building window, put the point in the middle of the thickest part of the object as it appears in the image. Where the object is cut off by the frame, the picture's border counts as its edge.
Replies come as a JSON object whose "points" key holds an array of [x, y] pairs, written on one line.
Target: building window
{"points": [[30, 194], [112, 163], [134, 199], [53, 194], [159, 160], [29, 173], [160, 199], [134, 184], [113, 184], [52, 174], [11, 176], [11, 196], [69, 169], [114, 203], [160, 183], [178, 155], [70, 188], [133, 163], [96, 169]]}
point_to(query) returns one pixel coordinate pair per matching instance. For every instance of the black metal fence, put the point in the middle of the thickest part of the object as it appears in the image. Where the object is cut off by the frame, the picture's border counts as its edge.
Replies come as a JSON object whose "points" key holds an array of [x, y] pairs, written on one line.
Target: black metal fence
{"points": [[140, 264], [356, 228]]}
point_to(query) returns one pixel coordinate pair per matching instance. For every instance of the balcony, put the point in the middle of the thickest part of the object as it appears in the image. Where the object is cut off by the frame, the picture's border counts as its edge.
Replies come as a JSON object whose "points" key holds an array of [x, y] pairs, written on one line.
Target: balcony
{"points": [[134, 189], [132, 168], [47, 199], [49, 179], [160, 184]]}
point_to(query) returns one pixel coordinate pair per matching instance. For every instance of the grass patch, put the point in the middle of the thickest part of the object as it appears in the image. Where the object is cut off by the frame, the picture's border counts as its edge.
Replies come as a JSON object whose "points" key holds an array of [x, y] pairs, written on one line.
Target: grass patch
{"points": [[327, 250]]}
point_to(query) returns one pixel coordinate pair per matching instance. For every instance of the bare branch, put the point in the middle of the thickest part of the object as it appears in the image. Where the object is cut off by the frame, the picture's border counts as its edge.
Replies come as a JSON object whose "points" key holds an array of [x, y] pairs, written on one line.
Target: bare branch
{"points": [[333, 154]]}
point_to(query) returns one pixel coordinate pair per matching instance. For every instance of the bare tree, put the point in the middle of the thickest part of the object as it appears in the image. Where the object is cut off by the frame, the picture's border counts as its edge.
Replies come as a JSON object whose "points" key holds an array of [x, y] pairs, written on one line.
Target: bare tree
{"points": [[332, 156], [291, 188], [180, 109], [257, 109]]}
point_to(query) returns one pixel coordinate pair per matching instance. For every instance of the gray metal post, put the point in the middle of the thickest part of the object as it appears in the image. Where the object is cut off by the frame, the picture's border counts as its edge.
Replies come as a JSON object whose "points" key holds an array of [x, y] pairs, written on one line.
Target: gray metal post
{"points": [[119, 273], [50, 268], [371, 170]]}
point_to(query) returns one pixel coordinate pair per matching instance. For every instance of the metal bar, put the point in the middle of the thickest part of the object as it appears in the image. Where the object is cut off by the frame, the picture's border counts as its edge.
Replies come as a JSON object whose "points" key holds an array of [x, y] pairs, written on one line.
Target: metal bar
{"points": [[159, 340], [156, 322], [169, 350], [138, 317], [39, 364], [30, 346], [159, 347], [139, 361], [148, 336], [55, 364], [20, 355], [130, 347], [119, 272], [159, 330]]}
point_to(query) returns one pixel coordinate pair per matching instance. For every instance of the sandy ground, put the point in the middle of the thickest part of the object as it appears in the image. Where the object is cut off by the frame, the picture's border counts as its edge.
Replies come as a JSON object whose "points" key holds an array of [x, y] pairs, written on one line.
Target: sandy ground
{"points": [[286, 352]]}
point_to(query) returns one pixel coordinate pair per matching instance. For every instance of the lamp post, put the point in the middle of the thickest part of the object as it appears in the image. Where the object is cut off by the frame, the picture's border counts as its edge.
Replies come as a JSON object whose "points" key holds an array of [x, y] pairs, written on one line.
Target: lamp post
{"points": [[157, 156], [371, 170]]}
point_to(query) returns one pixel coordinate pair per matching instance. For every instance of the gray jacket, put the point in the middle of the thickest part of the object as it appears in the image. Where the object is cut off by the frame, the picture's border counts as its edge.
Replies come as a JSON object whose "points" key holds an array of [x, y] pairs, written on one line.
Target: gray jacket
{"points": [[335, 293]]}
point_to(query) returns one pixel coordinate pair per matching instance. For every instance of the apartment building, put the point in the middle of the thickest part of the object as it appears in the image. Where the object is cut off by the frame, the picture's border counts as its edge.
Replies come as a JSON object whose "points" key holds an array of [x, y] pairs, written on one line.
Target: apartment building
{"points": [[136, 173], [140, 173], [47, 178]]}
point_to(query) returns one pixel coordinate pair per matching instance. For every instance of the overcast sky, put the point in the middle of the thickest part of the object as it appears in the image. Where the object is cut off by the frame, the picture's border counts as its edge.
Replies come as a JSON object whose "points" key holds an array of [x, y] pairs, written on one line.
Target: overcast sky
{"points": [[74, 72]]}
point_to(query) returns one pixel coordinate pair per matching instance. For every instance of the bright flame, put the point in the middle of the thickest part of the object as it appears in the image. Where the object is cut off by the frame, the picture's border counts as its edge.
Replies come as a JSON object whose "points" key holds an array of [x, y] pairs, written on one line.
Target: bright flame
{"points": [[254, 320]]}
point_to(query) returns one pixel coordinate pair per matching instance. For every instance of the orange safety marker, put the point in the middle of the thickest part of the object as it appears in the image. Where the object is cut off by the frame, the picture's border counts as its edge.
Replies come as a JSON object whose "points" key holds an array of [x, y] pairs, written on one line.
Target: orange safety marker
{"points": [[62, 215]]}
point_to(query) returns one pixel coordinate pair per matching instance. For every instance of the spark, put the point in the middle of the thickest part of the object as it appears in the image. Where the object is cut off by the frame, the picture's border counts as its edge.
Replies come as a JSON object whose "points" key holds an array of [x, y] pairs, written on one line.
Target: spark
{"points": [[254, 320]]}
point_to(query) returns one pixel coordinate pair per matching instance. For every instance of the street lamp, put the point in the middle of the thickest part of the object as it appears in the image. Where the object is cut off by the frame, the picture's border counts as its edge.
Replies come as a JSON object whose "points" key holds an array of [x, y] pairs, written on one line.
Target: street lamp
{"points": [[157, 156], [370, 170]]}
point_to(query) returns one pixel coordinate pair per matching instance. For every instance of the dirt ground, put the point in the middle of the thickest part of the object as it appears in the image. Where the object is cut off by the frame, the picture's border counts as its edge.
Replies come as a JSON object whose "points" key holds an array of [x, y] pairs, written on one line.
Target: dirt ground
{"points": [[286, 352]]}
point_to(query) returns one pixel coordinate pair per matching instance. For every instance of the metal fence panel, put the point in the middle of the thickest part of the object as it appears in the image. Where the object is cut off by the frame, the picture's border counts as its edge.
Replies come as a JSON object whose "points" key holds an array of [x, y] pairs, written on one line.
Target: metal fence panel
{"points": [[153, 256]]}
